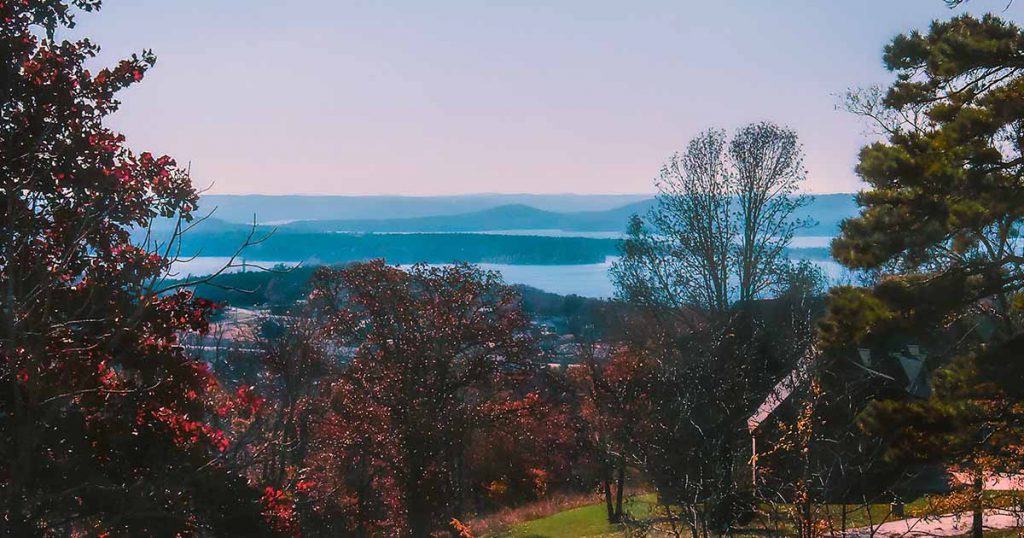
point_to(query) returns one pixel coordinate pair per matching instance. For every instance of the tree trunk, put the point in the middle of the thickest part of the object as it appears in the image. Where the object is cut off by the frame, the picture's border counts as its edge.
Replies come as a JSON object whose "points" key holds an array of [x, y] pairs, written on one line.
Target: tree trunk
{"points": [[898, 511], [363, 500], [16, 523], [458, 495], [977, 527], [418, 513], [608, 494], [620, 484], [419, 516]]}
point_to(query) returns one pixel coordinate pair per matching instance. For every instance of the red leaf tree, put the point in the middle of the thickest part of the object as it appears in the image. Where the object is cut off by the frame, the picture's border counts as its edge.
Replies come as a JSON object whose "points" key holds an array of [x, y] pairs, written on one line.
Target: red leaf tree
{"points": [[436, 356], [280, 369], [614, 386], [102, 413]]}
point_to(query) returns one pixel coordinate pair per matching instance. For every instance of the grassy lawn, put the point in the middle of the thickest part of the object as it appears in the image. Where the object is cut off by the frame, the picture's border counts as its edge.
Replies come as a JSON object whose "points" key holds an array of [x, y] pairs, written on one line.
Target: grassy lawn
{"points": [[591, 520], [584, 522]]}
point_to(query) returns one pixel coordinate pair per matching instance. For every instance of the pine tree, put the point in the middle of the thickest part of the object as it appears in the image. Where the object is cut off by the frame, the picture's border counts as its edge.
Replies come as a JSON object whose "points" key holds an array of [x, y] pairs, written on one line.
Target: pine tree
{"points": [[940, 227]]}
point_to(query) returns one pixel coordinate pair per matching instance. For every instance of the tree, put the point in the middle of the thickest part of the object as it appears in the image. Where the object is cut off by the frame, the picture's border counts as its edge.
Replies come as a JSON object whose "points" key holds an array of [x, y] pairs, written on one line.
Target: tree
{"points": [[724, 217], [103, 415], [279, 374], [769, 168], [614, 388], [813, 461], [437, 355], [710, 250], [941, 220]]}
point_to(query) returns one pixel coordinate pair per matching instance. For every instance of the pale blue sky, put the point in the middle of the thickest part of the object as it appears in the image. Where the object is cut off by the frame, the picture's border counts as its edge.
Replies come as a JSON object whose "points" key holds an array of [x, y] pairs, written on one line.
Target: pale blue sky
{"points": [[442, 97]]}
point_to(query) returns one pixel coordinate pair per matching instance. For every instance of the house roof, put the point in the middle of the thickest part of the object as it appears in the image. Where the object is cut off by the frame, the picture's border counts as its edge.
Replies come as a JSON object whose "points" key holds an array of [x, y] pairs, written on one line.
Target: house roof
{"points": [[782, 390], [911, 362]]}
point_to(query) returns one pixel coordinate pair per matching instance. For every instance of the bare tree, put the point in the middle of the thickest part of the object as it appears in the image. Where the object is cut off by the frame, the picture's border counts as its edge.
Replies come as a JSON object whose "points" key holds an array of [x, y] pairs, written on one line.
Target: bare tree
{"points": [[686, 259], [768, 167], [723, 219]]}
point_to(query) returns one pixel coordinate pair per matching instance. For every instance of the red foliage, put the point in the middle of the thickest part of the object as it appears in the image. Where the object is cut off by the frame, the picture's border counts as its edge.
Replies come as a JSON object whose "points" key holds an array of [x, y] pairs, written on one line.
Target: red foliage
{"points": [[104, 424], [279, 510], [438, 357]]}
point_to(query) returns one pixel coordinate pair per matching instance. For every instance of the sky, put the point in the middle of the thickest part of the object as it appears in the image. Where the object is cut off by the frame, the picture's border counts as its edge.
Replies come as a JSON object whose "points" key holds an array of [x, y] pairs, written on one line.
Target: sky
{"points": [[464, 96]]}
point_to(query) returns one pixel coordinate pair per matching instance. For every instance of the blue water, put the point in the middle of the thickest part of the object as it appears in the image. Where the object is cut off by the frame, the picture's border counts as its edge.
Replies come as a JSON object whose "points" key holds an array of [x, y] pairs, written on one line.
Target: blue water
{"points": [[586, 280], [806, 241], [208, 265], [811, 241], [589, 280]]}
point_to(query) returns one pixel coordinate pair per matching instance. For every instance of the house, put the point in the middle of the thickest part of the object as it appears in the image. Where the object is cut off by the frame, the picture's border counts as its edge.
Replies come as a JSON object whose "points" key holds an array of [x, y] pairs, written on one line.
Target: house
{"points": [[911, 360]]}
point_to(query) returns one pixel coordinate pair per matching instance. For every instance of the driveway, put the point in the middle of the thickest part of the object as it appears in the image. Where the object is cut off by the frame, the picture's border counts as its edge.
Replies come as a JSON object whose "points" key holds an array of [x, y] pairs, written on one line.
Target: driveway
{"points": [[948, 525]]}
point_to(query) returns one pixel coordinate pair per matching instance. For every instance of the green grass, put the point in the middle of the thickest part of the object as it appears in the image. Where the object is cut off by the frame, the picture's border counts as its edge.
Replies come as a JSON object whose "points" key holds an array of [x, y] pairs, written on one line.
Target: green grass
{"points": [[591, 521], [584, 522]]}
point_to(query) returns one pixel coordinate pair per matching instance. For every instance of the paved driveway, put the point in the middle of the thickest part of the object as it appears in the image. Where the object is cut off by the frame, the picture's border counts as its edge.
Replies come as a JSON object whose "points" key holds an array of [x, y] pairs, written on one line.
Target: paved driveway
{"points": [[948, 525]]}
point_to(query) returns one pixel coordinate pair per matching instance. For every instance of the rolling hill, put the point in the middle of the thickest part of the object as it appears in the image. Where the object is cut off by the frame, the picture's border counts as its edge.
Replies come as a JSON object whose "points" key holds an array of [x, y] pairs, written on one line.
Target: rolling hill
{"points": [[827, 211], [506, 217], [240, 208], [469, 213], [462, 236]]}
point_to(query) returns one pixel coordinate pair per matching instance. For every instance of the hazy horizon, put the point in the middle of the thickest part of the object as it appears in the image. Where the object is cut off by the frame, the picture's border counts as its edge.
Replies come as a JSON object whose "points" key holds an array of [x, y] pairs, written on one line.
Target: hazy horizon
{"points": [[361, 98]]}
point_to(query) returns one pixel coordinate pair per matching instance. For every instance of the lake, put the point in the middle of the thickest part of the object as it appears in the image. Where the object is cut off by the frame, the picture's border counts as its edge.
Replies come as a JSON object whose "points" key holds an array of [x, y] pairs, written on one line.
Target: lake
{"points": [[588, 280], [207, 265], [803, 241]]}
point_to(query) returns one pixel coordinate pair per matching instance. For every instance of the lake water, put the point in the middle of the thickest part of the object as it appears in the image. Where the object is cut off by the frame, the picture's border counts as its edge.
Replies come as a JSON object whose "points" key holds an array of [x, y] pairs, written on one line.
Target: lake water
{"points": [[811, 241], [207, 265], [529, 233], [588, 280], [806, 241]]}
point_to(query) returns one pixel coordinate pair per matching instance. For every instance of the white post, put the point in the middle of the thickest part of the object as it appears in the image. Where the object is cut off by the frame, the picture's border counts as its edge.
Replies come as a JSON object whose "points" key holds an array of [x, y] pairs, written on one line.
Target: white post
{"points": [[753, 459]]}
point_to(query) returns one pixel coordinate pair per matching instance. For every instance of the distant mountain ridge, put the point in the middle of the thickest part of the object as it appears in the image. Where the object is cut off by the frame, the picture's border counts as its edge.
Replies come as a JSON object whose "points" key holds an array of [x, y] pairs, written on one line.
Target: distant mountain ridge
{"points": [[826, 211], [506, 217], [272, 209]]}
